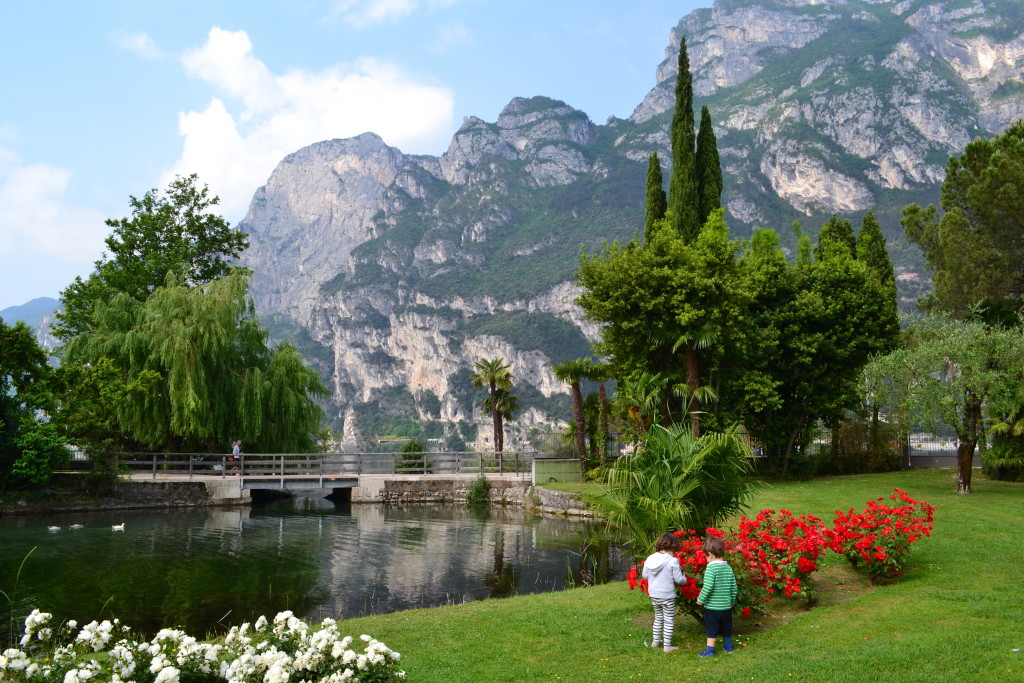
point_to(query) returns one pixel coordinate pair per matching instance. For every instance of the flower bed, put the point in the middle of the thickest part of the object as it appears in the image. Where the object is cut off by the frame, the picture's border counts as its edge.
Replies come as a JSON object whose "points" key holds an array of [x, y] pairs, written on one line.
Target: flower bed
{"points": [[776, 553], [268, 652]]}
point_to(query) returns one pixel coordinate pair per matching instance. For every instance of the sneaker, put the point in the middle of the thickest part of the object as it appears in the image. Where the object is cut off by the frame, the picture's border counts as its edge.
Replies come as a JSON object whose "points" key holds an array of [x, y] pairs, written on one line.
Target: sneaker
{"points": [[656, 643], [706, 653], [728, 649], [671, 648]]}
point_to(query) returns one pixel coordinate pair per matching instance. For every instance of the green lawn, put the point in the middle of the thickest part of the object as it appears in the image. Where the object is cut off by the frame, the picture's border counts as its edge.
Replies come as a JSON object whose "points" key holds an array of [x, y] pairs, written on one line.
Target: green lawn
{"points": [[956, 614]]}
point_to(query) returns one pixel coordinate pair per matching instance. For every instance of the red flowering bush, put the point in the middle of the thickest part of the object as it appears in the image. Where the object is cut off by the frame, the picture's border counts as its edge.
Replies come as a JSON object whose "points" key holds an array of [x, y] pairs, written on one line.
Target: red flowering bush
{"points": [[880, 537], [776, 553], [752, 592], [783, 550]]}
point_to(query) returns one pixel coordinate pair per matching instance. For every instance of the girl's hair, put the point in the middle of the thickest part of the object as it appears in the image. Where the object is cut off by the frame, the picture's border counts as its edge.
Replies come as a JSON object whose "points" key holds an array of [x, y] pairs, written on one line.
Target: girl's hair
{"points": [[714, 546], [667, 542]]}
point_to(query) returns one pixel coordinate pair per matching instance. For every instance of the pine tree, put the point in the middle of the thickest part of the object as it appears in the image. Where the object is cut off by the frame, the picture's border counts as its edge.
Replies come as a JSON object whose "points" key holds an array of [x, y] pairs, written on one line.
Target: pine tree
{"points": [[656, 201], [709, 167], [683, 202]]}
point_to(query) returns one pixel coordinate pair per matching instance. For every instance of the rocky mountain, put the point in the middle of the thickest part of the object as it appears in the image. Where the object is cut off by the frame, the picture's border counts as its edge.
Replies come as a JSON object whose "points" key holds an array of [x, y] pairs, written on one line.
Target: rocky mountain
{"points": [[394, 273]]}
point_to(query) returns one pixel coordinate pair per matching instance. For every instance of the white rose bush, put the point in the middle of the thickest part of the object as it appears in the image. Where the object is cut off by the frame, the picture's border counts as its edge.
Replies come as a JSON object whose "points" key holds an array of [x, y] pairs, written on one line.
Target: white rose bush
{"points": [[287, 649]]}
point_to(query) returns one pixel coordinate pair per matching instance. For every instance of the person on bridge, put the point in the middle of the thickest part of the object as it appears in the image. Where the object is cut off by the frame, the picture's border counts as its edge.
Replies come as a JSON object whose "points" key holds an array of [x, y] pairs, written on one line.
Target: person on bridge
{"points": [[236, 451]]}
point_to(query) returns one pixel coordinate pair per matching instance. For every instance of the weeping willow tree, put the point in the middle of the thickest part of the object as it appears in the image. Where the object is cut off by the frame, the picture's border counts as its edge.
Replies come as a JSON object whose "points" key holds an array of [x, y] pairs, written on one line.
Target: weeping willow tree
{"points": [[218, 380], [677, 481]]}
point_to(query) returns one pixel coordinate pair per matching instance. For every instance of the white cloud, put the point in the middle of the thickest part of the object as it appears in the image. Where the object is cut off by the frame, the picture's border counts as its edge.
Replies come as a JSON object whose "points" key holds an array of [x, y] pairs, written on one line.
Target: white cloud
{"points": [[139, 43], [234, 153], [43, 237], [452, 36], [363, 13]]}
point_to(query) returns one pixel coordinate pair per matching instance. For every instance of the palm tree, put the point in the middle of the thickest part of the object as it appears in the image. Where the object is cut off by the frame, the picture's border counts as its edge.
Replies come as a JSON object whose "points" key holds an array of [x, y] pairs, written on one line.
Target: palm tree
{"points": [[641, 396], [572, 372], [493, 374], [601, 373], [677, 481], [693, 342]]}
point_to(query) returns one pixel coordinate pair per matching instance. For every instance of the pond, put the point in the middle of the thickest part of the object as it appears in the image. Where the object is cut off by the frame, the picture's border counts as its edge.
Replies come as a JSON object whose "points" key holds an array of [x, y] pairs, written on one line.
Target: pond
{"points": [[206, 569]]}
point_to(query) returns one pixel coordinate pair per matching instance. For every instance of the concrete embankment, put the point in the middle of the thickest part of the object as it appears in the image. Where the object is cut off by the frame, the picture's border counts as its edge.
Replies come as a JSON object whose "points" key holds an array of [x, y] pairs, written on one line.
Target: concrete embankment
{"points": [[375, 489]]}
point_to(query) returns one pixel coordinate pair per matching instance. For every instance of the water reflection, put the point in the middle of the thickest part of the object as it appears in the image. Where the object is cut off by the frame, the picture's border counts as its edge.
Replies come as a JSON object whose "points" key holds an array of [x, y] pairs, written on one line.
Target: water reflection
{"points": [[204, 570]]}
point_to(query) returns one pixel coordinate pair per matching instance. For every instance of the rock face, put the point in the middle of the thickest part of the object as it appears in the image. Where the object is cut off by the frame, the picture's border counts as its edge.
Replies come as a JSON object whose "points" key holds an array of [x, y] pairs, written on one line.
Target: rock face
{"points": [[395, 273]]}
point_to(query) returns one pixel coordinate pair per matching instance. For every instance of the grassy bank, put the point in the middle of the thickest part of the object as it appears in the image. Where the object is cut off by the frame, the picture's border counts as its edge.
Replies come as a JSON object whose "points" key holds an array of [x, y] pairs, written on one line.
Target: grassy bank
{"points": [[956, 614]]}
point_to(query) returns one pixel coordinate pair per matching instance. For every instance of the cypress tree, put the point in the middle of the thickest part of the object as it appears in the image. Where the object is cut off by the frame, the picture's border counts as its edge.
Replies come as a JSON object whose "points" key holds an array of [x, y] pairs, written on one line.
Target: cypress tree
{"points": [[837, 231], [871, 250], [682, 188], [656, 201], [709, 167]]}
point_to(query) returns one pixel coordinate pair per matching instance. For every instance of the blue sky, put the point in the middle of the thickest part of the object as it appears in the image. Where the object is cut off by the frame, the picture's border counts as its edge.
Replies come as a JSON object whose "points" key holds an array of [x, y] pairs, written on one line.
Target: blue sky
{"points": [[106, 99]]}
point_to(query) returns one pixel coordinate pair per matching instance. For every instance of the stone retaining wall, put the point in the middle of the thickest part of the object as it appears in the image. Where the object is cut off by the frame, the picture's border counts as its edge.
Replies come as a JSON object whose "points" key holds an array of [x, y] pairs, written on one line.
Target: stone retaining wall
{"points": [[157, 494]]}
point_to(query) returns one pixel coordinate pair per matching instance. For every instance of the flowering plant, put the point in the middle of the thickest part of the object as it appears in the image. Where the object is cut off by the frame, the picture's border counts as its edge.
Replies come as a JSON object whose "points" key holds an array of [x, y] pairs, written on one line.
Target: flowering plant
{"points": [[783, 550], [882, 534], [286, 649], [752, 594]]}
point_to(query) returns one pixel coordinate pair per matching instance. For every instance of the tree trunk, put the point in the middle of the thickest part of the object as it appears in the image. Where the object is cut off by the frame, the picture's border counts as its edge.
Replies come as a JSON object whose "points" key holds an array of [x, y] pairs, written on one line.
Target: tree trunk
{"points": [[693, 381], [581, 437], [602, 421], [968, 441]]}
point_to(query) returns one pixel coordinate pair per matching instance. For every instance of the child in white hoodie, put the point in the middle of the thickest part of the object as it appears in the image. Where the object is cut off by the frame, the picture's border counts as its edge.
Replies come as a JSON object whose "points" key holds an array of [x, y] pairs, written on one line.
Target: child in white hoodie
{"points": [[663, 573]]}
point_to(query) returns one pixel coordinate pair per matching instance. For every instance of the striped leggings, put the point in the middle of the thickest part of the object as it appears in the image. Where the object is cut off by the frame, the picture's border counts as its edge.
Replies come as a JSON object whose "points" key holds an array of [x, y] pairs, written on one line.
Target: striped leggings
{"points": [[664, 620]]}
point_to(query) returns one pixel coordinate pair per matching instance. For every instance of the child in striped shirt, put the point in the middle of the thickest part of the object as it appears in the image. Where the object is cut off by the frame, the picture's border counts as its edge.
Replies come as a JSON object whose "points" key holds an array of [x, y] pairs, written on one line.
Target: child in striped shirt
{"points": [[663, 574], [718, 596]]}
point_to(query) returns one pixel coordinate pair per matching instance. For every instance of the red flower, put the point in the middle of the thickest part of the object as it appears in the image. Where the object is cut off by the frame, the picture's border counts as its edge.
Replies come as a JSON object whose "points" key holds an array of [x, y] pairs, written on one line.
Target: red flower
{"points": [[746, 612]]}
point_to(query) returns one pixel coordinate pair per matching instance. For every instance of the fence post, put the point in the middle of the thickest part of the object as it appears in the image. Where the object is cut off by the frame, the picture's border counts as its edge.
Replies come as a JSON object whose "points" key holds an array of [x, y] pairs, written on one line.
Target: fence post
{"points": [[190, 461], [154, 467]]}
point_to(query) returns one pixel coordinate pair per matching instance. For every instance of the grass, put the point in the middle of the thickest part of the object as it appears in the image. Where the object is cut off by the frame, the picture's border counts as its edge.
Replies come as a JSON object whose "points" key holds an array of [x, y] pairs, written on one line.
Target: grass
{"points": [[954, 615]]}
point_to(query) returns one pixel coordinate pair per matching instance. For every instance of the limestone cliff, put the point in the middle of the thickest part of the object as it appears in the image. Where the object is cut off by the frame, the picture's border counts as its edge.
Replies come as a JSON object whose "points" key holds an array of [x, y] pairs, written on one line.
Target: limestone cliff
{"points": [[394, 273]]}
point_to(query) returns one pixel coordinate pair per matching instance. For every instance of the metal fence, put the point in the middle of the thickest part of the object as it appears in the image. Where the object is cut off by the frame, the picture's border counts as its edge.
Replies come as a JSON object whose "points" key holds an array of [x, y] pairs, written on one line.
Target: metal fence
{"points": [[326, 464]]}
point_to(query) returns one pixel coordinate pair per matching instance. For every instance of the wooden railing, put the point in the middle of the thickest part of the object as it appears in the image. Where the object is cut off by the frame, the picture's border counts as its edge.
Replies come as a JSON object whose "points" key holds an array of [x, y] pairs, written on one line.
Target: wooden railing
{"points": [[325, 464]]}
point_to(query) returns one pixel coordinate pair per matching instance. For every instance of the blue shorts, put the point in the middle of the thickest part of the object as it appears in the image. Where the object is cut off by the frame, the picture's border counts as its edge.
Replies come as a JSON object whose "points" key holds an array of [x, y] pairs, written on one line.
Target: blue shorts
{"points": [[718, 622]]}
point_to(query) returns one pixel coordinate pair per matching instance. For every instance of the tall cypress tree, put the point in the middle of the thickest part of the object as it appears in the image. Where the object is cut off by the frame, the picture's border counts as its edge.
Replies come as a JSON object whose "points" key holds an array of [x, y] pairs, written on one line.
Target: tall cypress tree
{"points": [[656, 201], [682, 188], [872, 251], [709, 167], [836, 231]]}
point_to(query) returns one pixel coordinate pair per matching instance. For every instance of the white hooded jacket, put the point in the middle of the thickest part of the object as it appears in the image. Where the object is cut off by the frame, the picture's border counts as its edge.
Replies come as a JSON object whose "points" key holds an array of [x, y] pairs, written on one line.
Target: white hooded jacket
{"points": [[662, 572]]}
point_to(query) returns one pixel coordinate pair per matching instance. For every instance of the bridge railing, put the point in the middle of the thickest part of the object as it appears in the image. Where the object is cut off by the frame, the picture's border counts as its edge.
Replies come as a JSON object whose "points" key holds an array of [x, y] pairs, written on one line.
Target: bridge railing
{"points": [[325, 464]]}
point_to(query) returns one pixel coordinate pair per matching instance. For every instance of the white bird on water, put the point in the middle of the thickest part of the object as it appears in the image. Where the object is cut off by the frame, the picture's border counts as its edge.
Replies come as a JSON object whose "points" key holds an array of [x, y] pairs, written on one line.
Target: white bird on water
{"points": [[53, 528], [77, 526], [118, 527]]}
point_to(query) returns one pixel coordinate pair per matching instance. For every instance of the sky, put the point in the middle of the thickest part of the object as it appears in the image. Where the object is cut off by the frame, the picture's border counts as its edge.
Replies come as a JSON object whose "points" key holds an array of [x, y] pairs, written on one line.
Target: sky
{"points": [[104, 100]]}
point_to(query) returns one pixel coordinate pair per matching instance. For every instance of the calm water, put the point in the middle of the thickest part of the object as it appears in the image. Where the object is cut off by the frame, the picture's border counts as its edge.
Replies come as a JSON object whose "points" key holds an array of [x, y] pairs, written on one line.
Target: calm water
{"points": [[207, 569]]}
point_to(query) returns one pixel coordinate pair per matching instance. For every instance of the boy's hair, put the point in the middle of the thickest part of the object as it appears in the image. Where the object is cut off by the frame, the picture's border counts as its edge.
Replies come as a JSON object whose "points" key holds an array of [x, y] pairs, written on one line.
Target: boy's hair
{"points": [[714, 546], [667, 542]]}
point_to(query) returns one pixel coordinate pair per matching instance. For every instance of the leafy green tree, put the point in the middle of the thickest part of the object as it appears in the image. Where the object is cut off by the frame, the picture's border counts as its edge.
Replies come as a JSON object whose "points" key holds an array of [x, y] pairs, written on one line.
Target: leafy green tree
{"points": [[663, 306], [170, 233], [657, 203], [218, 379], [677, 481], [708, 167], [683, 201], [837, 231], [949, 372], [572, 372], [810, 330], [493, 374], [639, 397], [30, 445], [976, 248]]}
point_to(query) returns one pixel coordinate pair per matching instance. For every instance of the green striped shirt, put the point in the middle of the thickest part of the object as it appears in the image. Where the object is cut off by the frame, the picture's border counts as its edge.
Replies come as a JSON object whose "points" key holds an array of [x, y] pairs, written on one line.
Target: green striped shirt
{"points": [[719, 591]]}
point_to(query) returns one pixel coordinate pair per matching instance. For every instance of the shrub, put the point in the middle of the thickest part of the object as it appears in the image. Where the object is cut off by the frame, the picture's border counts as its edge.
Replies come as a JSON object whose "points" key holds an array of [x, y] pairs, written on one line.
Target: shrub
{"points": [[784, 549], [879, 538], [677, 481], [285, 649], [479, 492]]}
